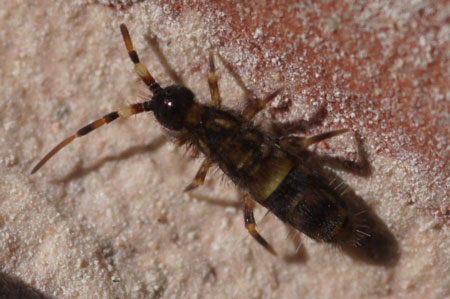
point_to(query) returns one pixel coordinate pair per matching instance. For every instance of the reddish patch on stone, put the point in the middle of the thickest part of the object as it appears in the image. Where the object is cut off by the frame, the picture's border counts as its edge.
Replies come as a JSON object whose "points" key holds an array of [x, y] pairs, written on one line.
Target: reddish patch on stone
{"points": [[382, 76], [380, 70]]}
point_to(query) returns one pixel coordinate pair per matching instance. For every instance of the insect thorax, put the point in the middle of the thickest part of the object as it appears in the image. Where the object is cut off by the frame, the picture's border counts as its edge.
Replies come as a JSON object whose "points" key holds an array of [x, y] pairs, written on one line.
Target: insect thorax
{"points": [[242, 151]]}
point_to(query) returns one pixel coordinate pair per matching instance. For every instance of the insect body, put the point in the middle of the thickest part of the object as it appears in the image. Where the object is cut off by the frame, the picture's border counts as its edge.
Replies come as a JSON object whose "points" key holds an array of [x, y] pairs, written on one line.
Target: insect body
{"points": [[263, 168]]}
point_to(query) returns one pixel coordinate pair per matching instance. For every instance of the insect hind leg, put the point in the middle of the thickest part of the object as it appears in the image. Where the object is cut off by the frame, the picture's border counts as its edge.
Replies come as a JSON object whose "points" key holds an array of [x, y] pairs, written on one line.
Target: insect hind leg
{"points": [[250, 225]]}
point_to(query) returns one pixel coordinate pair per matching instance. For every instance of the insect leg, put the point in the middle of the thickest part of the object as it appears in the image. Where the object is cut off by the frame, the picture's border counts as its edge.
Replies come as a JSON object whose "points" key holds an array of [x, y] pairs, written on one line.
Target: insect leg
{"points": [[254, 109], [123, 112], [139, 67], [294, 143], [250, 225], [212, 81], [200, 176]]}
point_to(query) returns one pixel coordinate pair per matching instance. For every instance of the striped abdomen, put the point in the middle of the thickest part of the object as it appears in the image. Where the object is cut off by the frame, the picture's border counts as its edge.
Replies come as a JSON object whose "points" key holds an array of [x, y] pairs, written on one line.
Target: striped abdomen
{"points": [[307, 203]]}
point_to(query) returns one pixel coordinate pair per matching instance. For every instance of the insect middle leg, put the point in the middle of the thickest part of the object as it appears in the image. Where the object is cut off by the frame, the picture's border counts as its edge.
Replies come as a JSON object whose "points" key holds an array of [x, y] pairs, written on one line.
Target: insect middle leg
{"points": [[295, 143], [252, 110], [250, 225]]}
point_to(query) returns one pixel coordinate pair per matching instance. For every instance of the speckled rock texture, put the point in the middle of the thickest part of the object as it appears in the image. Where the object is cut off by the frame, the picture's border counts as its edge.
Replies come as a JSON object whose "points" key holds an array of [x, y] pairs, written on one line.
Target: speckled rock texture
{"points": [[107, 217]]}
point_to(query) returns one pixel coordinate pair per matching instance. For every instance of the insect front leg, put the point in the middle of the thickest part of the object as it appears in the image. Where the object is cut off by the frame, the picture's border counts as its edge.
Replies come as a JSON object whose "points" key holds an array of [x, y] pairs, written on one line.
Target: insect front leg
{"points": [[295, 143], [212, 81], [200, 176], [250, 225], [252, 109]]}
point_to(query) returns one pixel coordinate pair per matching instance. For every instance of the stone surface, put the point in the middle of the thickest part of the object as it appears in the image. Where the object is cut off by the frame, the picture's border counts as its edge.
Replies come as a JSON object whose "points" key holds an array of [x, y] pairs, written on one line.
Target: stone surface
{"points": [[107, 218]]}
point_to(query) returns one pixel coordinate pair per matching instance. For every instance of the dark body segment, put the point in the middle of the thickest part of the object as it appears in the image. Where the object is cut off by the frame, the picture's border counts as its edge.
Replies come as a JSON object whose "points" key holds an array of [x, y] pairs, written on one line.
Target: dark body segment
{"points": [[273, 177], [306, 202], [247, 156]]}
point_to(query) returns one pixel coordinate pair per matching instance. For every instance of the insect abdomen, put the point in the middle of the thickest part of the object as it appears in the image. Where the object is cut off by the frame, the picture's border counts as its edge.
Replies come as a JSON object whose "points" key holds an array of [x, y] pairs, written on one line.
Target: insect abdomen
{"points": [[273, 177], [308, 204]]}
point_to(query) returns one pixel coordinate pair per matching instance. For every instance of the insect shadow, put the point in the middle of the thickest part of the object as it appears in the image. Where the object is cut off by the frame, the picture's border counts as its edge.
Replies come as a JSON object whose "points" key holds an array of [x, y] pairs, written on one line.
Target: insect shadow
{"points": [[375, 243], [152, 41], [81, 171]]}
